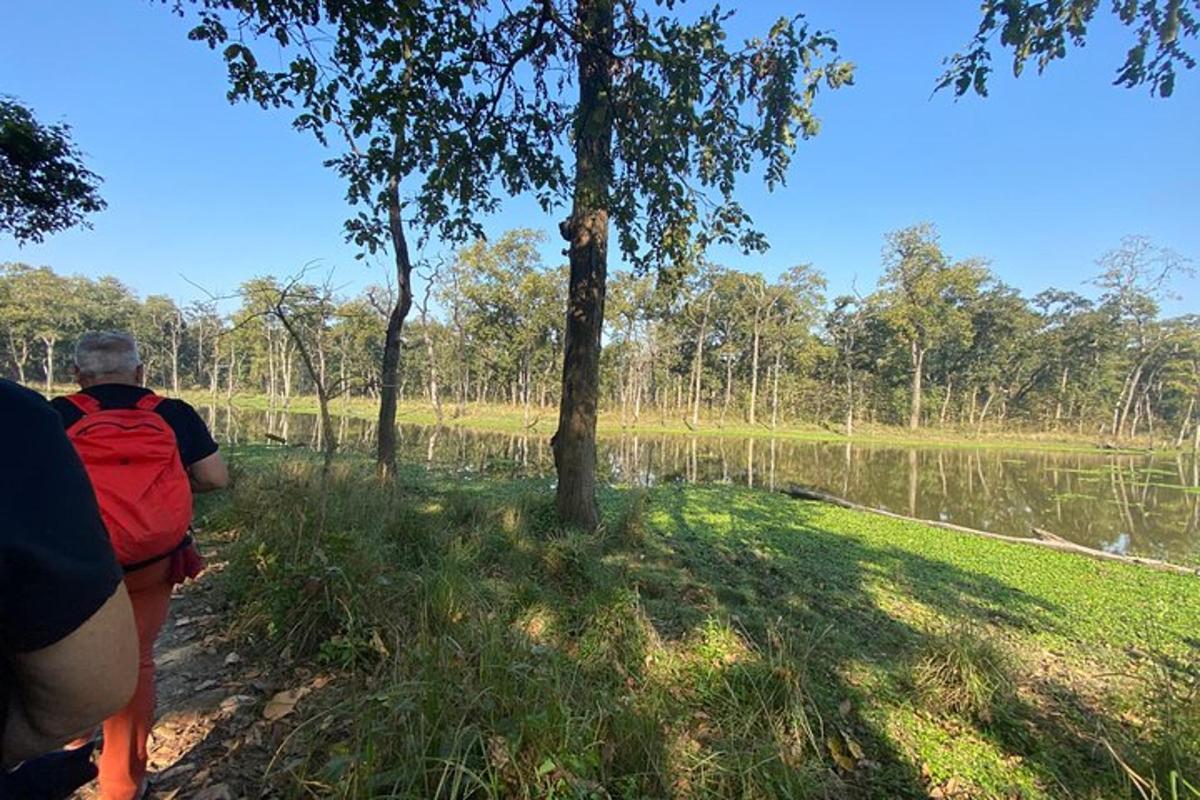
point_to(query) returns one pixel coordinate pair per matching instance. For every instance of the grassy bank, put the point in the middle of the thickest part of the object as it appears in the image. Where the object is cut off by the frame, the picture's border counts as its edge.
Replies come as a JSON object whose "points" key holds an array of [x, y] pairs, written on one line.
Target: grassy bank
{"points": [[712, 642], [510, 419]]}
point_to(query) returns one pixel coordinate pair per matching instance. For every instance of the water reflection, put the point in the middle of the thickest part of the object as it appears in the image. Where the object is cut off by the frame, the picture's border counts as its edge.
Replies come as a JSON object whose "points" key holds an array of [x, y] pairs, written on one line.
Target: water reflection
{"points": [[1141, 504]]}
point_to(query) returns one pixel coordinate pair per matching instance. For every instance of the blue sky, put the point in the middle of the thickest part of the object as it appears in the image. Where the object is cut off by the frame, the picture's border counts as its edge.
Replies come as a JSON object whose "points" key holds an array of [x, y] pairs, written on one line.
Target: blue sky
{"points": [[1041, 177]]}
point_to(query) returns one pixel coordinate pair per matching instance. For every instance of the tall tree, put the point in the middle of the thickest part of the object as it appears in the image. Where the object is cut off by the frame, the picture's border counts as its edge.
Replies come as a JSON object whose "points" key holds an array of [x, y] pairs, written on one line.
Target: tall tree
{"points": [[44, 186], [800, 298], [18, 318], [923, 294], [1136, 278], [414, 99], [845, 325], [667, 114]]}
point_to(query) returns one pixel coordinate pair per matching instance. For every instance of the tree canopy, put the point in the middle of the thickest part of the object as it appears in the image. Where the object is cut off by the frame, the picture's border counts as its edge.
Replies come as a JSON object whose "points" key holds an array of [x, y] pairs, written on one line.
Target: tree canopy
{"points": [[1044, 31], [44, 186], [450, 99]]}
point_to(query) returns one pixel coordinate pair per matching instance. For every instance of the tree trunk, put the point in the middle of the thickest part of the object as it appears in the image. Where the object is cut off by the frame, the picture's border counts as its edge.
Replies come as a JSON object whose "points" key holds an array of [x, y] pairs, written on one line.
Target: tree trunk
{"points": [[946, 402], [321, 365], [986, 405], [1125, 402], [316, 373], [285, 361], [1149, 416], [1183, 428], [624, 382], [434, 396], [775, 391], [229, 378], [1062, 392], [638, 387], [20, 355], [49, 341], [586, 230], [270, 369], [198, 378], [385, 456], [849, 401], [918, 365], [698, 359], [754, 366], [214, 376], [728, 386], [524, 393]]}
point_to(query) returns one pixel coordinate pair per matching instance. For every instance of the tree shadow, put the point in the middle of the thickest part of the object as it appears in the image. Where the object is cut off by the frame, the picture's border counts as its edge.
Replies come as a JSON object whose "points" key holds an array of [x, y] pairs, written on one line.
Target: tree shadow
{"points": [[764, 647], [869, 611]]}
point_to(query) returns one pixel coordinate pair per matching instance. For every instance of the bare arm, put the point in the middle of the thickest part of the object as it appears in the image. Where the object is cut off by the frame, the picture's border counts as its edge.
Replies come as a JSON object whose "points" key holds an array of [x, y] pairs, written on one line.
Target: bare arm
{"points": [[66, 688], [209, 474]]}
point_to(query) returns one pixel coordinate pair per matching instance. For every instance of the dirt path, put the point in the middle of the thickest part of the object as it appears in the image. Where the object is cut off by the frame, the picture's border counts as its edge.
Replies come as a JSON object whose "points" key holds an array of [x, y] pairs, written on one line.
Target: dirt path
{"points": [[210, 741]]}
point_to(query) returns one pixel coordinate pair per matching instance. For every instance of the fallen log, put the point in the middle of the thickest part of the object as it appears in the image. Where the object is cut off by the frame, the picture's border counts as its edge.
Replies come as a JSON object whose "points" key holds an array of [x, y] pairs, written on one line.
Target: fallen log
{"points": [[1045, 539]]}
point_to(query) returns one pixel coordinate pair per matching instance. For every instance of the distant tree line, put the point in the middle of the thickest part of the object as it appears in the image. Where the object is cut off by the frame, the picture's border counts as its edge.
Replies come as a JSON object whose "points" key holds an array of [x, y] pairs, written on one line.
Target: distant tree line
{"points": [[939, 343]]}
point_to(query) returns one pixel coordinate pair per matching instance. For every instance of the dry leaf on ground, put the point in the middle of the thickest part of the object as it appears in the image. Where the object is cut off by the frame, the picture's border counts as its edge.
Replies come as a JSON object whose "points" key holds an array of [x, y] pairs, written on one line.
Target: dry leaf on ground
{"points": [[284, 703]]}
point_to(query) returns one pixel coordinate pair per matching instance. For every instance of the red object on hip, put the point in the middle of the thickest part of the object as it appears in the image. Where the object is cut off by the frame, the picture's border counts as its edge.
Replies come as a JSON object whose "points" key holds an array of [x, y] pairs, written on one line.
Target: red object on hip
{"points": [[132, 458]]}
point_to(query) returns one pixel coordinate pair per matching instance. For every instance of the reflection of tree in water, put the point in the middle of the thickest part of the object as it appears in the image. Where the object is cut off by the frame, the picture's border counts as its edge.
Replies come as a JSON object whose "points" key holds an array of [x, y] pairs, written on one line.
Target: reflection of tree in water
{"points": [[1097, 499]]}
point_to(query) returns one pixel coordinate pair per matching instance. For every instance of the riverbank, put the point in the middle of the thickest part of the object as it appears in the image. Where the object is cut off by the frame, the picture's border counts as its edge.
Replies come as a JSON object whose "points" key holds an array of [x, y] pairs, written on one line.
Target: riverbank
{"points": [[712, 641], [542, 421]]}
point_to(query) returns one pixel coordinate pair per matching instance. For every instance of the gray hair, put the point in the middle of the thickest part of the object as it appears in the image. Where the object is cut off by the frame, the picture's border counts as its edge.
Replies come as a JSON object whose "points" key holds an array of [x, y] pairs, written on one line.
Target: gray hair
{"points": [[99, 353]]}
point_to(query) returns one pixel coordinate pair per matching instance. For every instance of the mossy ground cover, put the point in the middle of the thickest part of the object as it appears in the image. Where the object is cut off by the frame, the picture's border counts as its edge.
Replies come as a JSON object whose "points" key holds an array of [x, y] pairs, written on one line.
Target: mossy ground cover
{"points": [[708, 642]]}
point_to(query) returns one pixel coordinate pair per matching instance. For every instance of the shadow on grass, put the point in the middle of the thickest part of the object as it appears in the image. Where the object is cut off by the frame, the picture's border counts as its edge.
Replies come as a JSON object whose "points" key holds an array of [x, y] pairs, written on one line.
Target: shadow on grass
{"points": [[719, 643], [870, 611]]}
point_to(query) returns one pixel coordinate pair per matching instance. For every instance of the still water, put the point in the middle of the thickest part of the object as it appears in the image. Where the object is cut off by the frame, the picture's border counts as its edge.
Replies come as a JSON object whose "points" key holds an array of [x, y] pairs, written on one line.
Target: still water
{"points": [[1138, 504]]}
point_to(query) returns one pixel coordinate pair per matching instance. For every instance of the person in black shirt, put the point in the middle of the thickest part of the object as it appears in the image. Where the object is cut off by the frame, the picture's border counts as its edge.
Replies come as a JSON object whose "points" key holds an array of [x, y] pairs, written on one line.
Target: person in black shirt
{"points": [[122, 389], [196, 444], [109, 371], [68, 646]]}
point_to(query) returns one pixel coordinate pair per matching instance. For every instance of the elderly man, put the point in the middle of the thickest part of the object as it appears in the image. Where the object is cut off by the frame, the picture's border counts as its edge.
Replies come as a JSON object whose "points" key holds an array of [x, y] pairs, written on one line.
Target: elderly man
{"points": [[145, 456]]}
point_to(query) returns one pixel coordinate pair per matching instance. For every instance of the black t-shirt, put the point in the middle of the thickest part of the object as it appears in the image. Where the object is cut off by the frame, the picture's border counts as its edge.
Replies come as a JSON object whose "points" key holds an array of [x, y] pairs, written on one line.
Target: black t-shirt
{"points": [[195, 442], [56, 565]]}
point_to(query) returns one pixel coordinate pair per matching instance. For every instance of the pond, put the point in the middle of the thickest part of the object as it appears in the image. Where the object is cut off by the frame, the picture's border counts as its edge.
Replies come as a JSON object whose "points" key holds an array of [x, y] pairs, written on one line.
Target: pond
{"points": [[1143, 504]]}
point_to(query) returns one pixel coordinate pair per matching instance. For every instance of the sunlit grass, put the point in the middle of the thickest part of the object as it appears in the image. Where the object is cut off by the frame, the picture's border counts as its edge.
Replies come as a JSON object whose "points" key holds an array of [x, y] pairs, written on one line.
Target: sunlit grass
{"points": [[708, 642]]}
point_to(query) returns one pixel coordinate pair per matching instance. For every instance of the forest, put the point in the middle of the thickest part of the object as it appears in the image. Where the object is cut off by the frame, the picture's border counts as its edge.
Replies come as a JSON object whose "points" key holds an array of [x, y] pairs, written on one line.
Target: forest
{"points": [[940, 342]]}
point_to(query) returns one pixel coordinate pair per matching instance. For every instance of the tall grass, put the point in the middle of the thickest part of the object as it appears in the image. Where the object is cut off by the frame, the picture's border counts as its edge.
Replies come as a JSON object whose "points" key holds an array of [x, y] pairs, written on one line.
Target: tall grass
{"points": [[1171, 769], [491, 654], [964, 671], [484, 651]]}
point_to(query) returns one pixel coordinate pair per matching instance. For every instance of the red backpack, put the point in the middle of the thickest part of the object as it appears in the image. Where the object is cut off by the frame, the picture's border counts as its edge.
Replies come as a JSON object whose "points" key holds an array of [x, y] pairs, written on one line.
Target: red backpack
{"points": [[132, 458]]}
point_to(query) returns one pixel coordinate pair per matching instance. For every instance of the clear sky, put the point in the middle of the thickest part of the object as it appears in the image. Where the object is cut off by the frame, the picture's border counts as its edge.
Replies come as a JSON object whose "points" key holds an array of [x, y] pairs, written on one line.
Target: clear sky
{"points": [[1041, 177]]}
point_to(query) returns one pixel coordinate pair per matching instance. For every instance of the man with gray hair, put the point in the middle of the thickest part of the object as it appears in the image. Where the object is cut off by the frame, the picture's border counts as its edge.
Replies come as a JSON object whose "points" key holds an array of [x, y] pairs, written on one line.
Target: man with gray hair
{"points": [[145, 456], [107, 354]]}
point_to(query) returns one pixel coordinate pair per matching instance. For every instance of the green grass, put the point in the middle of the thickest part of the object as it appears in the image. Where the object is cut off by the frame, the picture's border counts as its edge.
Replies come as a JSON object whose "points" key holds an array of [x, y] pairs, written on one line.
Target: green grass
{"points": [[709, 642], [506, 418]]}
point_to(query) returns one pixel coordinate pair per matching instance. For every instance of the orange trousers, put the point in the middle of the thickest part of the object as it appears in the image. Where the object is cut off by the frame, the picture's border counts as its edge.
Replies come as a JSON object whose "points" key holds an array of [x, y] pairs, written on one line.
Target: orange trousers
{"points": [[126, 733]]}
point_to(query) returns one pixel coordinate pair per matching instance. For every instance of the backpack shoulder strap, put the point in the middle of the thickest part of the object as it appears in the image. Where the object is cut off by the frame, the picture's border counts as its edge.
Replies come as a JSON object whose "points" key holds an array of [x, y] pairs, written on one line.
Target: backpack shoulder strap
{"points": [[148, 402], [84, 402]]}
